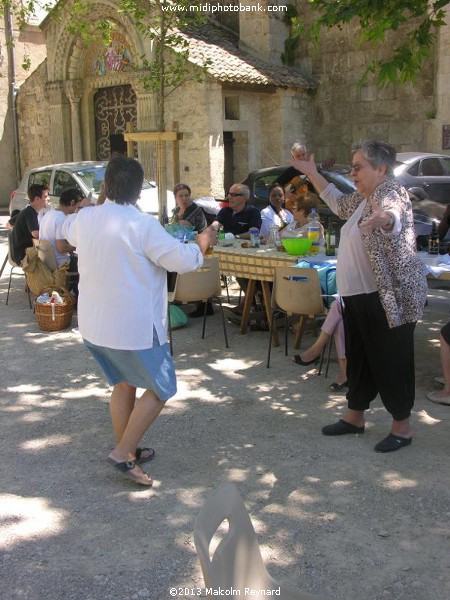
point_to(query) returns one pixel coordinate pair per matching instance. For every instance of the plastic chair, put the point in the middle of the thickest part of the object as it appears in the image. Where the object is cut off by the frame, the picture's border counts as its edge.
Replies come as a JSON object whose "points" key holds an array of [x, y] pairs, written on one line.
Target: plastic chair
{"points": [[14, 266], [202, 285], [172, 279], [295, 292], [236, 562]]}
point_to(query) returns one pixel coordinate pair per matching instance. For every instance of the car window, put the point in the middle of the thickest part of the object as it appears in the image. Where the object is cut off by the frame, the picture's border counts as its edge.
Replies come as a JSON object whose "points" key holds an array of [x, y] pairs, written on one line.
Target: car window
{"points": [[414, 169], [92, 177], [431, 167], [262, 185], [63, 181], [40, 177], [446, 163]]}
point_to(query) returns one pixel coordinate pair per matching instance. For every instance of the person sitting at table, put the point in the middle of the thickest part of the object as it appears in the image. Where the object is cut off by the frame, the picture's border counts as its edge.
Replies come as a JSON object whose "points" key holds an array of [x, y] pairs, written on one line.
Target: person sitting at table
{"points": [[187, 212], [300, 207], [275, 215], [443, 396], [238, 217], [26, 225], [332, 326]]}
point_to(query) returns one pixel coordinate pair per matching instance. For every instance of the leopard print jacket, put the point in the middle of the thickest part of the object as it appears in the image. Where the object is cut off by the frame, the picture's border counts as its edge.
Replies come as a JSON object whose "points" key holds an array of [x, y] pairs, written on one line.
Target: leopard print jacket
{"points": [[399, 272]]}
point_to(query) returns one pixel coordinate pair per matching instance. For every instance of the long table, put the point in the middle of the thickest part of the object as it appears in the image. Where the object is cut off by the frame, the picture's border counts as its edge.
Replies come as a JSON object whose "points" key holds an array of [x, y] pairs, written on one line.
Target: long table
{"points": [[256, 265]]}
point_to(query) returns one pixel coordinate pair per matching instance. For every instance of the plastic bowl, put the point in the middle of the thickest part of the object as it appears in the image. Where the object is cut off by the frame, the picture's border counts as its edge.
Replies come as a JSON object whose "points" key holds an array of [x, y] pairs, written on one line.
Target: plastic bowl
{"points": [[296, 246]]}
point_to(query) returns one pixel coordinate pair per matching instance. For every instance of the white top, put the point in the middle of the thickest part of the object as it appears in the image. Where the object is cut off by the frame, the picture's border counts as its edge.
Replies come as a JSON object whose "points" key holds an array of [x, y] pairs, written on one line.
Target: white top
{"points": [[354, 274], [50, 228], [123, 255], [270, 219]]}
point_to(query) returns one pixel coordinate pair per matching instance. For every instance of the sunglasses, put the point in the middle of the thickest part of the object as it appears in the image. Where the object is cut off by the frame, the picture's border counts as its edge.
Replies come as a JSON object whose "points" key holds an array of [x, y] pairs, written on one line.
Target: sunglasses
{"points": [[235, 194]]}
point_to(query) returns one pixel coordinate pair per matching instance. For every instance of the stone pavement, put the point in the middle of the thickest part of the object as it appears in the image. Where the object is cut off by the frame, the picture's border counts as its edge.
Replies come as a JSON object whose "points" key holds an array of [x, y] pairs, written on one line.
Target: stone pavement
{"points": [[332, 516]]}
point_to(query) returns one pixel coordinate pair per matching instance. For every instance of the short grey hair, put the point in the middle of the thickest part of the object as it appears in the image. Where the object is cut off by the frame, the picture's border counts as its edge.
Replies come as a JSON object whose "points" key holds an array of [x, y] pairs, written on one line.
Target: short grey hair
{"points": [[244, 189], [298, 147], [377, 154]]}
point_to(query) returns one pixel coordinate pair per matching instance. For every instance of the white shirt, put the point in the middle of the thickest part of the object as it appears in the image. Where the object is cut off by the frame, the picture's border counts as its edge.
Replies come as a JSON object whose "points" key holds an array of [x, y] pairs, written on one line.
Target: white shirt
{"points": [[123, 256], [50, 228], [354, 274], [271, 219]]}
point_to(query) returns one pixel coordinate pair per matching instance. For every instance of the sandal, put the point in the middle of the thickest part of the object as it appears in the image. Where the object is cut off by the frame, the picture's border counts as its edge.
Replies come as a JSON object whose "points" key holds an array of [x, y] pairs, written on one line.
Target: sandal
{"points": [[127, 469], [139, 460], [338, 387]]}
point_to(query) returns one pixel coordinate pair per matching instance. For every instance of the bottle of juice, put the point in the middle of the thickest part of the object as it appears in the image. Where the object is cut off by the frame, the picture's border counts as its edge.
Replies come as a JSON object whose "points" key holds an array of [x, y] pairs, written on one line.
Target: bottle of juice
{"points": [[314, 230]]}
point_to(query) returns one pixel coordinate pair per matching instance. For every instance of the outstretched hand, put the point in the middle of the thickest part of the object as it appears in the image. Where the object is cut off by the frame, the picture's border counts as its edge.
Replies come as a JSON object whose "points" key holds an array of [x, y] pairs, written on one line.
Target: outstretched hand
{"points": [[379, 218], [207, 238]]}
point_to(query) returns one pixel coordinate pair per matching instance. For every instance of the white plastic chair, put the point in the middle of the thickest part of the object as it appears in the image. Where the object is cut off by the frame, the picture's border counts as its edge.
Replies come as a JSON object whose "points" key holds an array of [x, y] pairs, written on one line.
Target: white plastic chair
{"points": [[202, 285], [236, 563], [295, 292]]}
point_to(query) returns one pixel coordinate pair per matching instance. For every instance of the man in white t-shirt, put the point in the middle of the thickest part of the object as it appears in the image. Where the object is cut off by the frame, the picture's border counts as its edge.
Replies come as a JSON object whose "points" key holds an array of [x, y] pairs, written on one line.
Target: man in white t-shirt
{"points": [[52, 222]]}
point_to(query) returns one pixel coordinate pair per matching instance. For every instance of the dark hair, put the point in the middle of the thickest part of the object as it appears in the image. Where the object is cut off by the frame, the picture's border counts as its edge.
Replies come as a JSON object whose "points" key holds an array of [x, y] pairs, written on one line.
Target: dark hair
{"points": [[378, 154], [123, 180], [181, 186], [275, 185], [71, 194], [36, 190]]}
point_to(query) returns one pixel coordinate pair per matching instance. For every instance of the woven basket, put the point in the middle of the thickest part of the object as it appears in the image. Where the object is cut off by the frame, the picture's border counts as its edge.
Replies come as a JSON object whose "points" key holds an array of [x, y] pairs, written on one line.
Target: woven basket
{"points": [[60, 317]]}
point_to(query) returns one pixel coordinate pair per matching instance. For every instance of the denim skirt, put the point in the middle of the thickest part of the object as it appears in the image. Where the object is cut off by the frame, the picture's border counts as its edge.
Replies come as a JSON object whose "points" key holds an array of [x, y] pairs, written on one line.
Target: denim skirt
{"points": [[151, 369]]}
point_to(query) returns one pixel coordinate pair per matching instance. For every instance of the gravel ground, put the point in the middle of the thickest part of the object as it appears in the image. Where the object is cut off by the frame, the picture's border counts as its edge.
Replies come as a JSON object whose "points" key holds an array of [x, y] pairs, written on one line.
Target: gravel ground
{"points": [[332, 516]]}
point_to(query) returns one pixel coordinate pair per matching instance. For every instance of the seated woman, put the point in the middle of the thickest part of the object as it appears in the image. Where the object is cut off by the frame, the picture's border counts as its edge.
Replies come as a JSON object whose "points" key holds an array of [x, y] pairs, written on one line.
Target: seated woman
{"points": [[275, 215], [333, 325], [301, 207], [187, 212]]}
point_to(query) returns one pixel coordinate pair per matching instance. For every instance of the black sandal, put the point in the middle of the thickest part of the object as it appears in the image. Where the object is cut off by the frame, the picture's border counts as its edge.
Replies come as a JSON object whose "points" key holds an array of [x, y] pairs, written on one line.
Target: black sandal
{"points": [[338, 387], [126, 468], [139, 451]]}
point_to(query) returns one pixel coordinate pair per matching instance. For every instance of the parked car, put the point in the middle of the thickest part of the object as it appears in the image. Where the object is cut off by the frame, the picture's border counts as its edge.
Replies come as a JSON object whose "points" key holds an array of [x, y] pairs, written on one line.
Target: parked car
{"points": [[86, 176], [425, 210], [430, 172]]}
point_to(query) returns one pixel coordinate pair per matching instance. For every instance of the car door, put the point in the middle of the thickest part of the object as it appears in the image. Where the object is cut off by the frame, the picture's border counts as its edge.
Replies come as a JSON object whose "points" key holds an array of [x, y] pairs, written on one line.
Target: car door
{"points": [[434, 175]]}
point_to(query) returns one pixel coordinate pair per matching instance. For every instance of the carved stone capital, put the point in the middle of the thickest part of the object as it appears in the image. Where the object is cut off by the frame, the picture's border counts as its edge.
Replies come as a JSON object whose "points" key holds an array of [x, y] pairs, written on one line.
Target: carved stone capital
{"points": [[55, 91], [74, 90]]}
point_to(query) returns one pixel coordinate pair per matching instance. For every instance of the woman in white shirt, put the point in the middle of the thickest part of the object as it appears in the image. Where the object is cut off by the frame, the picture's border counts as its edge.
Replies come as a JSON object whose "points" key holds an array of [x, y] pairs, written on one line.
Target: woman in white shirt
{"points": [[383, 284], [275, 215], [123, 259]]}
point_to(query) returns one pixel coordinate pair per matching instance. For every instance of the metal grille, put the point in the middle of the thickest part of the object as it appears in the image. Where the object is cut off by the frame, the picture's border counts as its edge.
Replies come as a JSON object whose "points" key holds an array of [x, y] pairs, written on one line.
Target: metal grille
{"points": [[114, 107]]}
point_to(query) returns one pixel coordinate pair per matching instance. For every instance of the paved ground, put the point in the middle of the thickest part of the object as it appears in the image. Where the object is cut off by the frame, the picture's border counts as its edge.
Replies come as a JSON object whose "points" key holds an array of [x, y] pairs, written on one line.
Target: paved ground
{"points": [[332, 516]]}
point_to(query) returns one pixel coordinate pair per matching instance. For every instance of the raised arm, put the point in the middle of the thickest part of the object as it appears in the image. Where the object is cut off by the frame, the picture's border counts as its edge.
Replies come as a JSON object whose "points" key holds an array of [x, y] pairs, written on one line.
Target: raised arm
{"points": [[309, 168]]}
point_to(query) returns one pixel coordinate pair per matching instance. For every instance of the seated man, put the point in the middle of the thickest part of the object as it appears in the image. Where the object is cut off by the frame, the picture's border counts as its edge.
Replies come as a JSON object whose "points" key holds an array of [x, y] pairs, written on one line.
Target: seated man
{"points": [[26, 226], [237, 218], [52, 222]]}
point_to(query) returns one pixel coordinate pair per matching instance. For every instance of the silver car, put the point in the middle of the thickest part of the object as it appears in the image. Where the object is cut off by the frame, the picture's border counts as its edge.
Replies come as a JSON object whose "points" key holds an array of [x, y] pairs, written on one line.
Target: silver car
{"points": [[86, 176], [430, 172]]}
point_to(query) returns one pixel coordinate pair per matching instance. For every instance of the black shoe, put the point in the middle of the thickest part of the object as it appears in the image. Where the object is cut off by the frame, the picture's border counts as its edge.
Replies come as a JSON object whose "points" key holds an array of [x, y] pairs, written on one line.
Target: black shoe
{"points": [[200, 310], [341, 428], [391, 443], [338, 387], [299, 360]]}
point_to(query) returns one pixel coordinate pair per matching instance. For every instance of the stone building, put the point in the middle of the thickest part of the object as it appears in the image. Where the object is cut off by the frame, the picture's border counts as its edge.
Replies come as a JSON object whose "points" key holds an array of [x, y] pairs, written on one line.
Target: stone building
{"points": [[247, 109]]}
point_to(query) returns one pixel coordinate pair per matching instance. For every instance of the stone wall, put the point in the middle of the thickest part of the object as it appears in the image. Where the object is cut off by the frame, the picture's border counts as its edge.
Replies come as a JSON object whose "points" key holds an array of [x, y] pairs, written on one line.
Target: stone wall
{"points": [[34, 121], [344, 111]]}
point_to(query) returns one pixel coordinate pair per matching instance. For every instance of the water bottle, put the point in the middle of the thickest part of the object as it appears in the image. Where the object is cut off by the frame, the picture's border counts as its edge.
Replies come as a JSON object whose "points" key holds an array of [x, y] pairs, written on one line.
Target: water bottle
{"points": [[254, 237], [314, 230]]}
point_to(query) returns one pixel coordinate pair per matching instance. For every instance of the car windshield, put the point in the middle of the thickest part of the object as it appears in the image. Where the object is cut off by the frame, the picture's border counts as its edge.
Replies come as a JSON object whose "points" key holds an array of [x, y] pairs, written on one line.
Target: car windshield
{"points": [[92, 177]]}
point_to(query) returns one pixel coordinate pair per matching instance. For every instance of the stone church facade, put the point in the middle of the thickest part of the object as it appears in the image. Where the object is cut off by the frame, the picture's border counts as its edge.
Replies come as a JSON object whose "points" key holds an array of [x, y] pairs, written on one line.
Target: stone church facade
{"points": [[244, 115]]}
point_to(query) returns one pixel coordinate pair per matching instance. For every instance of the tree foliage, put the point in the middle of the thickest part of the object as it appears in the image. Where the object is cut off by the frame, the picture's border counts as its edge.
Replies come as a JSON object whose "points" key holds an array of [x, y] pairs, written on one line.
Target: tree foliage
{"points": [[377, 18]]}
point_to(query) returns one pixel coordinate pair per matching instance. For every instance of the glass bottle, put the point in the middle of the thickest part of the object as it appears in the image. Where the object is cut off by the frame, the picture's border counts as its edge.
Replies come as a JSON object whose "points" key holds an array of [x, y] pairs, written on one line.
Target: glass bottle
{"points": [[330, 240], [314, 230], [433, 240]]}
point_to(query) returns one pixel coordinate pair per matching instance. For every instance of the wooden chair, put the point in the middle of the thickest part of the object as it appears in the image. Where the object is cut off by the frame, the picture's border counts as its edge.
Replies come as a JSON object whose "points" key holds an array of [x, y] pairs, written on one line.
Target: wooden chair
{"points": [[236, 562], [295, 292]]}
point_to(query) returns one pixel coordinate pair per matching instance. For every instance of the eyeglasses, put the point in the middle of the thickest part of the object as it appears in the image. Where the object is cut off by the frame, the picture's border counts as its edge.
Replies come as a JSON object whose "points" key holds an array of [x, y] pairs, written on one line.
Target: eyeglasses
{"points": [[356, 167], [235, 194]]}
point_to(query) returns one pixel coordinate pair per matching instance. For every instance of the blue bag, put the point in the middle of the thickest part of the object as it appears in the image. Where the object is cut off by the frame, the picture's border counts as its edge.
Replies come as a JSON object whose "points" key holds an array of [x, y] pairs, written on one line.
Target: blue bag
{"points": [[327, 278]]}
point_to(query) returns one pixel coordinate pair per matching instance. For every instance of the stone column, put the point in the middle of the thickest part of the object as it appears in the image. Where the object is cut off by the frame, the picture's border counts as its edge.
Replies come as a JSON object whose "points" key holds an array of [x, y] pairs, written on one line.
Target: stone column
{"points": [[146, 121], [74, 92], [60, 131]]}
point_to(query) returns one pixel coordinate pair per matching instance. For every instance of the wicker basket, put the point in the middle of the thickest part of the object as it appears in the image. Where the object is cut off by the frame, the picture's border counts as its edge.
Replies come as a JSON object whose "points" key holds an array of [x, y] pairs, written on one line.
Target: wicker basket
{"points": [[57, 316]]}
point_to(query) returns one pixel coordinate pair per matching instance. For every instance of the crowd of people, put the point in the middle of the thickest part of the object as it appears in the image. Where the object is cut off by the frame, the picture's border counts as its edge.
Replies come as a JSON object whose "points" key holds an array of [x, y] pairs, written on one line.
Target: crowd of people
{"points": [[380, 278]]}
